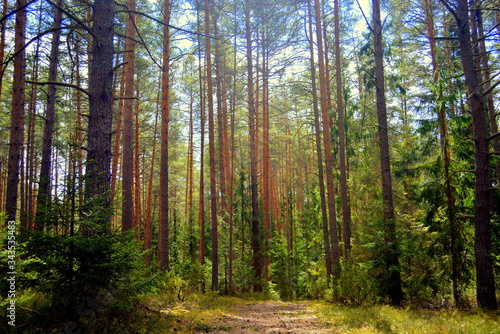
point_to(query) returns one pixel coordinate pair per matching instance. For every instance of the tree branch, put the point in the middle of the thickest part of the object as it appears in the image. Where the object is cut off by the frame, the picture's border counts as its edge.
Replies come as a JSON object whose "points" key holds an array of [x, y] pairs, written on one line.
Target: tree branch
{"points": [[493, 136], [363, 13], [59, 84], [162, 23], [74, 18]]}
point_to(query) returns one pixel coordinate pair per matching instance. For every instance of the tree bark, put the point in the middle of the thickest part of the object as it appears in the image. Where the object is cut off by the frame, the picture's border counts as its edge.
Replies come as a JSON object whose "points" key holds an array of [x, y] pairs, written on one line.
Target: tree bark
{"points": [[128, 121], [201, 204], [97, 176], [17, 113], [344, 189], [148, 226], [321, 177], [486, 78], [163, 233], [446, 154], [43, 197], [256, 246], [211, 151], [485, 281], [324, 102], [2, 50], [266, 154], [389, 224]]}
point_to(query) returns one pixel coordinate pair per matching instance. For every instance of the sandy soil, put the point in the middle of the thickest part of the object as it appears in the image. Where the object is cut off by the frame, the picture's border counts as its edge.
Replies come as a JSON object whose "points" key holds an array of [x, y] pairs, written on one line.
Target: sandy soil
{"points": [[271, 317]]}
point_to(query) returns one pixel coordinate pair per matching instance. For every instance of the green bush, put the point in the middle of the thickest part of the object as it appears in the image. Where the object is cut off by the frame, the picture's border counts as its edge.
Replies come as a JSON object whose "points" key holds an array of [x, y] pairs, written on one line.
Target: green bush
{"points": [[69, 282], [355, 286]]}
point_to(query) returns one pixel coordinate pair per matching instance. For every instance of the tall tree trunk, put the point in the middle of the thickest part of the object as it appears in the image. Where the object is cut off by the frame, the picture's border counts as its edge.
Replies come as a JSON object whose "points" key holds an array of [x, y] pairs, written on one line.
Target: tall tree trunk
{"points": [[79, 124], [211, 151], [136, 223], [100, 127], [117, 144], [163, 235], [324, 102], [233, 153], [319, 157], [148, 225], [256, 247], [389, 224], [128, 121], [201, 204], [266, 155], [48, 131], [189, 176], [2, 49], [17, 113], [344, 189], [446, 153], [485, 279], [29, 157], [222, 111], [486, 78]]}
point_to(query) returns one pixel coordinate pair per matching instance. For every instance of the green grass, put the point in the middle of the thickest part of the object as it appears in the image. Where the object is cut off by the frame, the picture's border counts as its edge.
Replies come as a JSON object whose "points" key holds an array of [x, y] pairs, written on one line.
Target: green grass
{"points": [[387, 319]]}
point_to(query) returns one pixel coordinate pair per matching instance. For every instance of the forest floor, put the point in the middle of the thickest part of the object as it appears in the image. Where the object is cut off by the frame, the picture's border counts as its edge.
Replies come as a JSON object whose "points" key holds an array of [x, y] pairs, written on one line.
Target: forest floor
{"points": [[236, 315], [270, 317]]}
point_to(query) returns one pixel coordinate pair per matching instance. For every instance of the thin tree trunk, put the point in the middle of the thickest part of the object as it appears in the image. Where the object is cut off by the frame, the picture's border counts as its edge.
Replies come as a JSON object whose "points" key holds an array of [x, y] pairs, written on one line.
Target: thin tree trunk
{"points": [[389, 224], [487, 80], [43, 199], [266, 155], [2, 47], [321, 177], [79, 130], [201, 204], [446, 153], [148, 226], [163, 235], [136, 223], [256, 247], [189, 178], [28, 168], [211, 151], [17, 113], [324, 102], [117, 143], [128, 121], [344, 190]]}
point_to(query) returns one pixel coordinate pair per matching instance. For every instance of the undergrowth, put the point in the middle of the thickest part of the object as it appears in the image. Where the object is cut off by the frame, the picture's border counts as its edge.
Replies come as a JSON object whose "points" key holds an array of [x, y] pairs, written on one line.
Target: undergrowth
{"points": [[388, 319]]}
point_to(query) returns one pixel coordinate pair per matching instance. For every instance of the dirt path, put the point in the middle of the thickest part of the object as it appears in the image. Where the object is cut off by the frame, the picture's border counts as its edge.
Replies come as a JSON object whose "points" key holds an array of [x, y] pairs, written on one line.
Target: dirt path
{"points": [[270, 317]]}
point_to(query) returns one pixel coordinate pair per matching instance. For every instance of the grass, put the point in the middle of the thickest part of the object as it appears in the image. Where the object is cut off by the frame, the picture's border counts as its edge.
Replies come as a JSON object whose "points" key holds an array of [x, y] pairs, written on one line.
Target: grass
{"points": [[387, 319]]}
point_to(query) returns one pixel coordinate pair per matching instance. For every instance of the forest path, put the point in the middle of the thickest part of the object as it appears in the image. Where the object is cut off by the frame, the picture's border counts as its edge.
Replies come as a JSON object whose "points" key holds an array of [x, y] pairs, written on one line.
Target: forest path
{"points": [[271, 317]]}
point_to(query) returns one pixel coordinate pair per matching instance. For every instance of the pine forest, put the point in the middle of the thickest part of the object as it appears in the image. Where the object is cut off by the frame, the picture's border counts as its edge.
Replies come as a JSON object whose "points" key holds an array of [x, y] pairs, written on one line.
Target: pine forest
{"points": [[165, 160]]}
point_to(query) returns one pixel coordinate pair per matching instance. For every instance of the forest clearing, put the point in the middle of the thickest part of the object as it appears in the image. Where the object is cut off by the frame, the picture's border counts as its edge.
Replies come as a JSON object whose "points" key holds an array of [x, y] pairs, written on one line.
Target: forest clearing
{"points": [[244, 166], [320, 318], [202, 314]]}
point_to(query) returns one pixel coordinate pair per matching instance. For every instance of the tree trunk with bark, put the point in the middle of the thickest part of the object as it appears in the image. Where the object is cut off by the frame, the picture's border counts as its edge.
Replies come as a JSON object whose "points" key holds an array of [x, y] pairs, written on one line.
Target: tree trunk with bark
{"points": [[128, 121], [394, 289], [256, 244], [97, 177], [327, 143], [485, 280], [16, 138], [211, 152], [344, 188], [319, 156], [446, 154], [163, 229], [43, 198]]}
